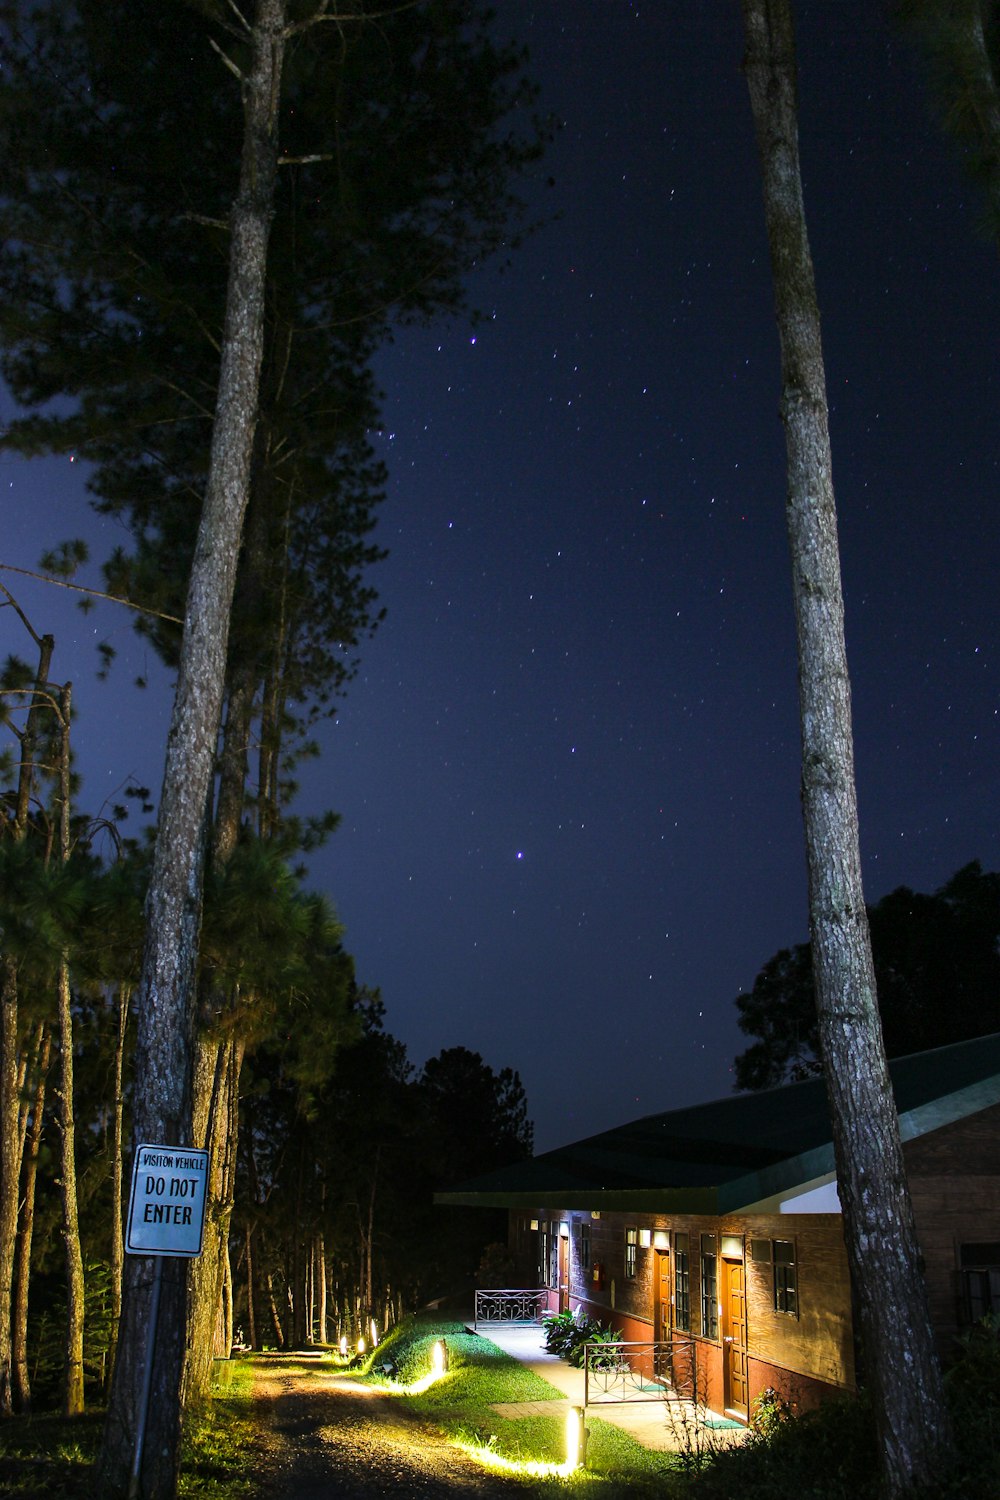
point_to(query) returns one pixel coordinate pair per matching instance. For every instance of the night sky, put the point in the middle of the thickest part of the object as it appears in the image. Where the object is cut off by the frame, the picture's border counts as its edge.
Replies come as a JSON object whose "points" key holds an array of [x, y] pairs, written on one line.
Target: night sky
{"points": [[568, 768]]}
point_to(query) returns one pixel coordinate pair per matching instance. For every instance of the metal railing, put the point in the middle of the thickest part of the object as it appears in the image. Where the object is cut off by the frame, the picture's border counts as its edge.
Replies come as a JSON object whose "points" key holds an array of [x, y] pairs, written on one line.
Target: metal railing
{"points": [[632, 1371], [511, 1305]]}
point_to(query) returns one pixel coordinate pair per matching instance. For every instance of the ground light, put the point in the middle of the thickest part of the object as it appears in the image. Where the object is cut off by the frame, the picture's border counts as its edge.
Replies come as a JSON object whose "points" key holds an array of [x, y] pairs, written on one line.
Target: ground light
{"points": [[576, 1439], [536, 1468], [343, 1346]]}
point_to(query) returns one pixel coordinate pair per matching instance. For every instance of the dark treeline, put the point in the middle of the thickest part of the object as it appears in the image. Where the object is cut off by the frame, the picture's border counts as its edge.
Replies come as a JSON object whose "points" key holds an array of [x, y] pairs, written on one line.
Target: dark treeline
{"points": [[937, 964], [396, 137]]}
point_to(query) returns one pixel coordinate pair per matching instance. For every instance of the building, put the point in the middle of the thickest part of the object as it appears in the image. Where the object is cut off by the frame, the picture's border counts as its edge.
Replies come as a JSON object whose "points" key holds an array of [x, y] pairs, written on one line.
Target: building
{"points": [[718, 1227]]}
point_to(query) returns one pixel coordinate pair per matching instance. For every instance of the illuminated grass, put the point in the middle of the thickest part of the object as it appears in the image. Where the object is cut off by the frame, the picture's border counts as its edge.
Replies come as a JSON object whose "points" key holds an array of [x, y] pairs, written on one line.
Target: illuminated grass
{"points": [[529, 1449]]}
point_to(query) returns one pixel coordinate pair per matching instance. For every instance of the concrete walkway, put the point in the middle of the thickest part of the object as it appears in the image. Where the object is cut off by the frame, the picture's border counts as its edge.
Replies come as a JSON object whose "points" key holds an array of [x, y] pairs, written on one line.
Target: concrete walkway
{"points": [[660, 1421]]}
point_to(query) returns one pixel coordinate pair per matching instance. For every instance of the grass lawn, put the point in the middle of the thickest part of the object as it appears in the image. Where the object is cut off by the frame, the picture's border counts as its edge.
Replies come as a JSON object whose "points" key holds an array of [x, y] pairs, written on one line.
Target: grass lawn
{"points": [[480, 1376]]}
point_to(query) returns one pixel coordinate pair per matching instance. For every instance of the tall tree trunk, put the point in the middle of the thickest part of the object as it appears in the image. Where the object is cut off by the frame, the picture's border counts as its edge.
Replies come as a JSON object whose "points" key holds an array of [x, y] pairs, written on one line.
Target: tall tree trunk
{"points": [[251, 1307], [10, 1170], [878, 1219], [22, 1270], [321, 1273], [73, 1392], [227, 1304], [279, 1333], [73, 1401], [209, 1271], [166, 991], [117, 1245], [11, 1136]]}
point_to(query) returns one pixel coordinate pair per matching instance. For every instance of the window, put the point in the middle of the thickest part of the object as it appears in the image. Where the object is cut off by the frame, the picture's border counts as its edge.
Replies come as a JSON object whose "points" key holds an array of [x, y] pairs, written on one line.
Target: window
{"points": [[709, 1287], [631, 1253], [554, 1253], [786, 1280], [585, 1248], [682, 1283], [980, 1274], [543, 1254], [778, 1256]]}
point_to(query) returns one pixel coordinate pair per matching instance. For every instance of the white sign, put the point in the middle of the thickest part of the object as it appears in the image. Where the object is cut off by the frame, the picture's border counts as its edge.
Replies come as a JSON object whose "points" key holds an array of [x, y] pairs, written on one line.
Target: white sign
{"points": [[166, 1211]]}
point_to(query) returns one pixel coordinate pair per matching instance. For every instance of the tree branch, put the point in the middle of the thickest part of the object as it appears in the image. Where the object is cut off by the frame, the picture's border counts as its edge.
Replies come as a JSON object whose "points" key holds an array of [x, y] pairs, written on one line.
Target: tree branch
{"points": [[142, 609]]}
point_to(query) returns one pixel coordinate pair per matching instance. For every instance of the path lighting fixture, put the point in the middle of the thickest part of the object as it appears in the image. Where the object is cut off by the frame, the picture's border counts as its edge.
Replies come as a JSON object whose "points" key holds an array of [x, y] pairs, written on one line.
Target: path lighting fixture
{"points": [[374, 1328], [343, 1346], [361, 1346], [576, 1439], [439, 1358]]}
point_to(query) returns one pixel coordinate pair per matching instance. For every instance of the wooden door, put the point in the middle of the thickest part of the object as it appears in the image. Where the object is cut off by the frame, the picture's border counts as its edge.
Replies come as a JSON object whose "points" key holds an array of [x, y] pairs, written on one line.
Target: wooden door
{"points": [[563, 1273], [734, 1362], [663, 1316]]}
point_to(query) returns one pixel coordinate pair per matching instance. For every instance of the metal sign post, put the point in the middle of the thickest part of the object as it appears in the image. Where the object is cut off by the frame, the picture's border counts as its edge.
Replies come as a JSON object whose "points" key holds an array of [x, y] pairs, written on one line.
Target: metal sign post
{"points": [[166, 1216]]}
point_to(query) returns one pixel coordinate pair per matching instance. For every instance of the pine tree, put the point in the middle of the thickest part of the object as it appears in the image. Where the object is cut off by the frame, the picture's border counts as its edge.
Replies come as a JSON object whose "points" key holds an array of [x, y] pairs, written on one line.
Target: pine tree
{"points": [[878, 1218]]}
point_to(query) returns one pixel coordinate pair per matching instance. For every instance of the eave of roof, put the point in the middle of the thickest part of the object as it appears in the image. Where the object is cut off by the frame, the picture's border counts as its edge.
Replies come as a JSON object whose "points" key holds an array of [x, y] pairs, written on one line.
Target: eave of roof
{"points": [[744, 1152]]}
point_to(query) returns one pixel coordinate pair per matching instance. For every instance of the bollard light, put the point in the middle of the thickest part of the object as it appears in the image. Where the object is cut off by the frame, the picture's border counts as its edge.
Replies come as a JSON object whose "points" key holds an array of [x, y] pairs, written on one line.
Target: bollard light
{"points": [[576, 1438], [439, 1358], [361, 1346], [343, 1346], [374, 1332]]}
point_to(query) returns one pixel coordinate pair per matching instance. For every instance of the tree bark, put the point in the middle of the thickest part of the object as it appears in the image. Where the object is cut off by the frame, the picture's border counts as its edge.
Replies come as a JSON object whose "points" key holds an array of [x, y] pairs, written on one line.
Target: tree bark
{"points": [[166, 992], [73, 1399], [11, 1135], [251, 1308], [117, 1245], [209, 1272], [878, 1220], [22, 1272], [321, 1273]]}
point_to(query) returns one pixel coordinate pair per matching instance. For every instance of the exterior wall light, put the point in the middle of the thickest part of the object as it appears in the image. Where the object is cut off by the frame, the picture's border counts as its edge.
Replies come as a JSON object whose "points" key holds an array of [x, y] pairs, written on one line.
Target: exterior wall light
{"points": [[576, 1439], [732, 1245], [533, 1224], [661, 1239], [564, 1230], [645, 1238]]}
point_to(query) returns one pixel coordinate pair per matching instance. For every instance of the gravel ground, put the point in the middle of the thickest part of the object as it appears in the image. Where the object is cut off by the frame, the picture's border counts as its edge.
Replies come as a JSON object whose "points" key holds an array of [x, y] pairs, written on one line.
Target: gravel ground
{"points": [[337, 1440]]}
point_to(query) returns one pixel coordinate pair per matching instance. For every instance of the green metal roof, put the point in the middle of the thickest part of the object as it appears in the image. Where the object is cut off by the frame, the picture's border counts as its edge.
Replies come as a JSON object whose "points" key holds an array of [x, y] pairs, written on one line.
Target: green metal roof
{"points": [[746, 1150]]}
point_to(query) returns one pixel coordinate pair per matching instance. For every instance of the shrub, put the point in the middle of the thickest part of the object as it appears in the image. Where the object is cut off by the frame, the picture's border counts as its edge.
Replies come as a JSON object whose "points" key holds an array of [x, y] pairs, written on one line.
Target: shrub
{"points": [[566, 1334]]}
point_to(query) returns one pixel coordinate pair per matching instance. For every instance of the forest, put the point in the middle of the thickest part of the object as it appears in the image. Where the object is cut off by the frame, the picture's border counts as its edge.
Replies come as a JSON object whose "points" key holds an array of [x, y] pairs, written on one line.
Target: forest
{"points": [[213, 220], [128, 130]]}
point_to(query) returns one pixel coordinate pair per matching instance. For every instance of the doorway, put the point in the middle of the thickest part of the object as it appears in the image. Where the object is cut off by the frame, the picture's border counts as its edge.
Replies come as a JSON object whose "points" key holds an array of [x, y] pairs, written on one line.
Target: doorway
{"points": [[563, 1271], [734, 1338], [663, 1302]]}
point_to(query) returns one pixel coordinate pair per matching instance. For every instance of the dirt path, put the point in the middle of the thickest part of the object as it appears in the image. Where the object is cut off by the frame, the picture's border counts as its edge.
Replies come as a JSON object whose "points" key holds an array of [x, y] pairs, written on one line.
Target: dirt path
{"points": [[336, 1440]]}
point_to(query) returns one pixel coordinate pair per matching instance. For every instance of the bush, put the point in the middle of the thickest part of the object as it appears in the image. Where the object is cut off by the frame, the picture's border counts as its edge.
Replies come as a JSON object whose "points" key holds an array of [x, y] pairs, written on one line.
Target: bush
{"points": [[566, 1334]]}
